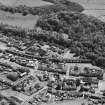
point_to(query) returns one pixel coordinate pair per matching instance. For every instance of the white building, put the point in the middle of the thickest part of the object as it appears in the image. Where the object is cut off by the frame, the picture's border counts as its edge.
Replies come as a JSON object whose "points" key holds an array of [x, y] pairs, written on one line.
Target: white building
{"points": [[101, 85]]}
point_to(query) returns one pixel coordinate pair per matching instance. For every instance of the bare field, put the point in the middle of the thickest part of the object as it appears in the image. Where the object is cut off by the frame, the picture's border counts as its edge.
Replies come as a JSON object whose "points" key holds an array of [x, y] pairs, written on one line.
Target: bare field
{"points": [[17, 19], [31, 3]]}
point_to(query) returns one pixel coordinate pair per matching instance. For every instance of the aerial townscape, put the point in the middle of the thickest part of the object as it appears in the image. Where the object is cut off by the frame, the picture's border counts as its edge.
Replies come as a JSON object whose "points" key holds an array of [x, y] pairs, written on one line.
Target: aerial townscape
{"points": [[51, 53]]}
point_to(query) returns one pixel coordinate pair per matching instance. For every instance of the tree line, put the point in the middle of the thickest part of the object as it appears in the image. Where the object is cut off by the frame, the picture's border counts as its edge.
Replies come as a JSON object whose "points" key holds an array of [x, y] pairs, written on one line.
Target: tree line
{"points": [[86, 34], [59, 5]]}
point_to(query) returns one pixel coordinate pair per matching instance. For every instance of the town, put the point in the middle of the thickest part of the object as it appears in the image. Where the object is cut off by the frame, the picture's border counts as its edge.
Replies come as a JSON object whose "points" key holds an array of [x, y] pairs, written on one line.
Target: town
{"points": [[51, 52], [35, 73]]}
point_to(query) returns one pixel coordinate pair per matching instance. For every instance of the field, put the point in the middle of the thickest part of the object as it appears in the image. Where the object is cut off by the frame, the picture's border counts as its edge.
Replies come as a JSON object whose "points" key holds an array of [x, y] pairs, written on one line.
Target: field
{"points": [[17, 19], [31, 3], [3, 46], [90, 1], [93, 7]]}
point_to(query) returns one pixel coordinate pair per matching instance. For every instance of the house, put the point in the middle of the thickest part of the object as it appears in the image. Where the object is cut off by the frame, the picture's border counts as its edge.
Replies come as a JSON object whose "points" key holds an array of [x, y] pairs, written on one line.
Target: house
{"points": [[101, 85]]}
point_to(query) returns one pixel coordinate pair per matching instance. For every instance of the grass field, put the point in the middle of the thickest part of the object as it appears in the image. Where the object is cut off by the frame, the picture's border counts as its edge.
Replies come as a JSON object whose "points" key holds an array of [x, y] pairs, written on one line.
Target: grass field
{"points": [[3, 46], [17, 19], [93, 7], [31, 3], [90, 1]]}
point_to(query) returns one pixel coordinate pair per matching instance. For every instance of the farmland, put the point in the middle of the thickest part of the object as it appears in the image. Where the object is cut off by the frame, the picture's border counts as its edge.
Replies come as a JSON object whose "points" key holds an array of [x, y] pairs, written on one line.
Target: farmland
{"points": [[30, 3], [93, 7], [17, 19]]}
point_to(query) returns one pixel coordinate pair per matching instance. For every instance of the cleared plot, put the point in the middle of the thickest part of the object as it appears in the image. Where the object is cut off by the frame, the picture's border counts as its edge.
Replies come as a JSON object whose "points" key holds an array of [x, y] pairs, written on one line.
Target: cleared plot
{"points": [[17, 19], [31, 3]]}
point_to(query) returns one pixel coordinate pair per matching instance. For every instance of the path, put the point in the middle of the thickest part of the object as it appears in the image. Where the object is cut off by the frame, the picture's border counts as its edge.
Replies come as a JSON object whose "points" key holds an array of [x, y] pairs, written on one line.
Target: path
{"points": [[26, 102]]}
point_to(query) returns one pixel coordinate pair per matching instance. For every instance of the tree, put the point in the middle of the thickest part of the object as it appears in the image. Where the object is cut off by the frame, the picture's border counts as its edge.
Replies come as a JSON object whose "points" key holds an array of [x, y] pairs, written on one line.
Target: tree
{"points": [[91, 55], [100, 61]]}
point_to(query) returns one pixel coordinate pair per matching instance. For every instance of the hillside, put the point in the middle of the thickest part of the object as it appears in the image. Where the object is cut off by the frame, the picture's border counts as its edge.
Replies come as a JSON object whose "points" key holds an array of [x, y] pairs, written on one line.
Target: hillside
{"points": [[57, 6], [86, 34], [24, 13], [93, 7], [83, 35], [30, 3], [18, 20], [51, 51]]}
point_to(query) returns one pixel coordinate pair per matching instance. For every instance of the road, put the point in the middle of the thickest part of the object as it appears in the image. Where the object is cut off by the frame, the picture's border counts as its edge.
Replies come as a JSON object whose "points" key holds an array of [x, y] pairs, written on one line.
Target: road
{"points": [[21, 96], [31, 97], [10, 92]]}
